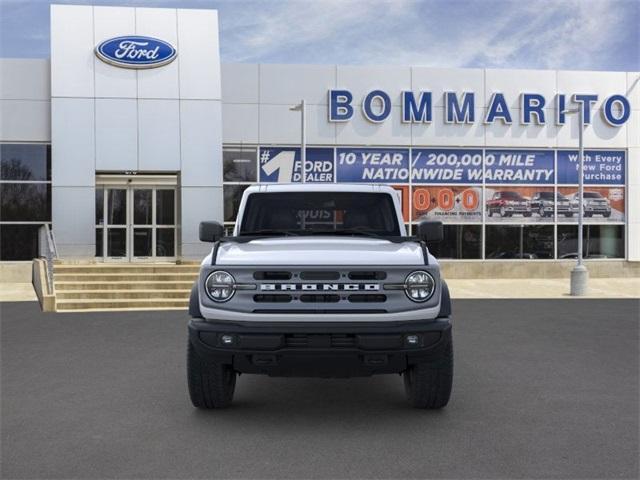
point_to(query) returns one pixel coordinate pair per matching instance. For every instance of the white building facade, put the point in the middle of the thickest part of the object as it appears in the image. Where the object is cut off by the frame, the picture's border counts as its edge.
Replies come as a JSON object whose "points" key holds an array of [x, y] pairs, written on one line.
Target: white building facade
{"points": [[124, 162]]}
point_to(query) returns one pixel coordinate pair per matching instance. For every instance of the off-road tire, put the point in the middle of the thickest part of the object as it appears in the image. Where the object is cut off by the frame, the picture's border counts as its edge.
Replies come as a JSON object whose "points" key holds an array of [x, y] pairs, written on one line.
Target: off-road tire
{"points": [[211, 385], [428, 384]]}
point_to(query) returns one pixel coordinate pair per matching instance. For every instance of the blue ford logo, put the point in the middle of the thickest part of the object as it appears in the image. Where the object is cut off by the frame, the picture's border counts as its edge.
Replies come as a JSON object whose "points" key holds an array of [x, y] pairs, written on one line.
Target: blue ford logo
{"points": [[134, 51]]}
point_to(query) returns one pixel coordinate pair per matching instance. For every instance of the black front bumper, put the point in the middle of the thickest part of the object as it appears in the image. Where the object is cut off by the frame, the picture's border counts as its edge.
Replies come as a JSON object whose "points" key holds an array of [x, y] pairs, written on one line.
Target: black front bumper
{"points": [[320, 349]]}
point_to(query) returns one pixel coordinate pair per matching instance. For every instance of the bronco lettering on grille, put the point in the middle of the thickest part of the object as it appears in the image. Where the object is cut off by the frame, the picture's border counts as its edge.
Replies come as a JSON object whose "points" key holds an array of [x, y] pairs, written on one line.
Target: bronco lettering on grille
{"points": [[319, 286]]}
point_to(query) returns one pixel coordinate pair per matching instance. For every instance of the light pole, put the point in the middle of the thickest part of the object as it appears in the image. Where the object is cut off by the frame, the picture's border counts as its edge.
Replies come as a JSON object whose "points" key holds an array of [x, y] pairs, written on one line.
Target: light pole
{"points": [[580, 274], [303, 136]]}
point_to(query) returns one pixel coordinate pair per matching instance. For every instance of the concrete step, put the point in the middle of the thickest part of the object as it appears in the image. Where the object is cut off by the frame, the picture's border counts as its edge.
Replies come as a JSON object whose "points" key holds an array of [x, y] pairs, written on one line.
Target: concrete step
{"points": [[119, 304], [62, 286], [121, 277], [126, 268], [98, 287], [122, 294]]}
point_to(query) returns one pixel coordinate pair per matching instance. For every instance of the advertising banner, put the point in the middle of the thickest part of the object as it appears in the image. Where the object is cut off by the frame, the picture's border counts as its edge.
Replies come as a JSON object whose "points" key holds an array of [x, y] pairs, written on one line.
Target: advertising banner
{"points": [[436, 165], [601, 205], [600, 167], [453, 204], [521, 204], [283, 165], [372, 165], [518, 167]]}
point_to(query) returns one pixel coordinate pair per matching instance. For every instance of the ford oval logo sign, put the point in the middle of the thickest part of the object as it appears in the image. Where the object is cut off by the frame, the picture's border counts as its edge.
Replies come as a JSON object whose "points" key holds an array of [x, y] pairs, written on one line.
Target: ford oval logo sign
{"points": [[134, 51]]}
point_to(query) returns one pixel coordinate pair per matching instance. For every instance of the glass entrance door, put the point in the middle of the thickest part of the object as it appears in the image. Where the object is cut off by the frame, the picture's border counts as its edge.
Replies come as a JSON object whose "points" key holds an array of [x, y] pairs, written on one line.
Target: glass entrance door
{"points": [[142, 223], [136, 223]]}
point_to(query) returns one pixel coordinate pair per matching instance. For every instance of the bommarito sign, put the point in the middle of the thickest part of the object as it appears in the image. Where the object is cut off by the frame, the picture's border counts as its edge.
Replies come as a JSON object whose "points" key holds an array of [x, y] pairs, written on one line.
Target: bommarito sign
{"points": [[460, 108]]}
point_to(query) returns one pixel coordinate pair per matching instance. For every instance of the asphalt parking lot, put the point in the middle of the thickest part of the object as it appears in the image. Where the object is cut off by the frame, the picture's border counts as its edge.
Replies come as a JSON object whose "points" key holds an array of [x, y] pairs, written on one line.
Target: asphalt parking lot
{"points": [[542, 389]]}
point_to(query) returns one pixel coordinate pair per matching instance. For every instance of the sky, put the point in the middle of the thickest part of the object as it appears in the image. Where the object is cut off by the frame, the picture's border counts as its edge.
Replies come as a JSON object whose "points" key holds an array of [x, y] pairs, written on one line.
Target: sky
{"points": [[534, 34]]}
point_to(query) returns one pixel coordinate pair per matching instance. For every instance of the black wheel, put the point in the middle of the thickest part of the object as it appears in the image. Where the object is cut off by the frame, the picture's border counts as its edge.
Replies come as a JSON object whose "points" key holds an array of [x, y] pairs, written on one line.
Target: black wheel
{"points": [[527, 214], [568, 215], [490, 212], [211, 385], [428, 384], [606, 214]]}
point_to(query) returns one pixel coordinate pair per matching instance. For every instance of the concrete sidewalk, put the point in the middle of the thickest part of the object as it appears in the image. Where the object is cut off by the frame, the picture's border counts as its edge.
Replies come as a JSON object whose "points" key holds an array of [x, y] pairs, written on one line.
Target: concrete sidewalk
{"points": [[17, 292]]}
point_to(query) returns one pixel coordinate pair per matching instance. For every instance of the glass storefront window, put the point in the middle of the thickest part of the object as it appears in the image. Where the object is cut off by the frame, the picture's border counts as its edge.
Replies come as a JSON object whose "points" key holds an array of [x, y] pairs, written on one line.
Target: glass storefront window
{"points": [[165, 242], [142, 206], [492, 204], [165, 207], [18, 242], [99, 242], [99, 206], [528, 242], [25, 197], [117, 206], [599, 241], [25, 202], [25, 162], [239, 164], [232, 196], [460, 242]]}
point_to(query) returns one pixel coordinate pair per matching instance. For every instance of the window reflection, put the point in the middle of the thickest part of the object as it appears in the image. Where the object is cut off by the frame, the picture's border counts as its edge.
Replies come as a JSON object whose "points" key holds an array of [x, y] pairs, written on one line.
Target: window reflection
{"points": [[528, 242], [239, 164], [232, 197], [25, 202], [25, 162], [165, 207], [18, 242], [460, 241], [598, 241]]}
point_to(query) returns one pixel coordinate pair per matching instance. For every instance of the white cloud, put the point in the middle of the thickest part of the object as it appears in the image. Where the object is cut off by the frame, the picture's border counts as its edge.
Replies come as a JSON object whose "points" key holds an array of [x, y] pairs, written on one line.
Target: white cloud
{"points": [[535, 34], [554, 34]]}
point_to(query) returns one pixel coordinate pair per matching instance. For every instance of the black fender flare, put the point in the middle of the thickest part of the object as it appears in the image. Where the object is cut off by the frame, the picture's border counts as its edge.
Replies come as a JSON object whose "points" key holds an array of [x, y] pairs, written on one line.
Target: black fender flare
{"points": [[194, 302], [445, 301]]}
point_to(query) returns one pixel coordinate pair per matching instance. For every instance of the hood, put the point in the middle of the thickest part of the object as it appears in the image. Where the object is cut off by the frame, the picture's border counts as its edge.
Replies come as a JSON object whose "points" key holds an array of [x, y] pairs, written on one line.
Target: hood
{"points": [[320, 251]]}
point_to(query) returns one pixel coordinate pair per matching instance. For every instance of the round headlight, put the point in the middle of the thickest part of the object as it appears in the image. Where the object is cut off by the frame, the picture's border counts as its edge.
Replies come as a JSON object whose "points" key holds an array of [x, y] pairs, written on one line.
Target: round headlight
{"points": [[419, 286], [220, 286]]}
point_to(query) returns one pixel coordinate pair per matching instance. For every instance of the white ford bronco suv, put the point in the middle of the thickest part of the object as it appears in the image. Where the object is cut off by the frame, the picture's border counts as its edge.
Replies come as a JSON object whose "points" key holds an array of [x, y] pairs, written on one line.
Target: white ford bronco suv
{"points": [[320, 281]]}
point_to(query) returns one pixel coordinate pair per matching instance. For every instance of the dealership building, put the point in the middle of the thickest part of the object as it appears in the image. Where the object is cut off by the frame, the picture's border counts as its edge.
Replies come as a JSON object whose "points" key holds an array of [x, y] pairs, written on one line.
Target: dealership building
{"points": [[123, 161]]}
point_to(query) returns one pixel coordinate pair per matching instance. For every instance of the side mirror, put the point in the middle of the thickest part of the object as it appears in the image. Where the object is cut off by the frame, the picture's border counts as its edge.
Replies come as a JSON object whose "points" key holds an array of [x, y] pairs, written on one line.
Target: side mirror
{"points": [[430, 231], [211, 231]]}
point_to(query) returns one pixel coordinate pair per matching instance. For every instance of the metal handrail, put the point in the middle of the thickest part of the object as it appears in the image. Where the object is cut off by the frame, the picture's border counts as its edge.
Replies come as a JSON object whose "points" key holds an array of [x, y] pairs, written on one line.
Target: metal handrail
{"points": [[50, 252]]}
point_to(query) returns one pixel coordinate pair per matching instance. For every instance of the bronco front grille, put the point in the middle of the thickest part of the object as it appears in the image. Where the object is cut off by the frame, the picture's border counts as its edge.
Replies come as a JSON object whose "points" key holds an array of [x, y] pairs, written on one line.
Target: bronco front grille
{"points": [[317, 290]]}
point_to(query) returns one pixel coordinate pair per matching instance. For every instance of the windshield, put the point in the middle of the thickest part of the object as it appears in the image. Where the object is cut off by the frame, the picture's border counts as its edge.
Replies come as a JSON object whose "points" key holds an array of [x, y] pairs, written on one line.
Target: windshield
{"points": [[546, 195], [592, 195], [512, 196], [316, 213]]}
